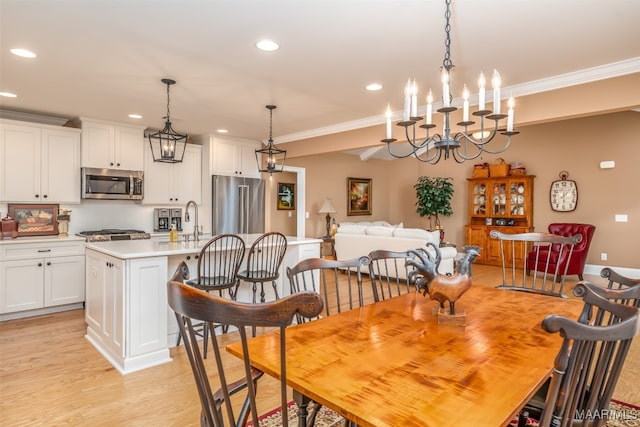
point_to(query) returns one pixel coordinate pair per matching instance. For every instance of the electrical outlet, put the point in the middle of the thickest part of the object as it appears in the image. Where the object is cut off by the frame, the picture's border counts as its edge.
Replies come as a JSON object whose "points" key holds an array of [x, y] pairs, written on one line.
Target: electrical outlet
{"points": [[603, 256]]}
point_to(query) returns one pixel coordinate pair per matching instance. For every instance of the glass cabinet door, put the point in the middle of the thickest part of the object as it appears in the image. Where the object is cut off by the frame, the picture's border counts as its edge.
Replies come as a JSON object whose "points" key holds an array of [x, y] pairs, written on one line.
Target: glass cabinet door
{"points": [[517, 198], [499, 198], [479, 199]]}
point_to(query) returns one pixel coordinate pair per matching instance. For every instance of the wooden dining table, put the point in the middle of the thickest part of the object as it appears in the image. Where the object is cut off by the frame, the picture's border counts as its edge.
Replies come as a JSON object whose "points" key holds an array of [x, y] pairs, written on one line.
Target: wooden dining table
{"points": [[391, 363]]}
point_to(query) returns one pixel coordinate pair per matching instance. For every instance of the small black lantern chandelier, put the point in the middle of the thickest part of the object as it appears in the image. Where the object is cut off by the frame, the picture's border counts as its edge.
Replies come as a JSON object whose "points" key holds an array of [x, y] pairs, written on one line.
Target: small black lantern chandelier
{"points": [[167, 145], [463, 145], [275, 156]]}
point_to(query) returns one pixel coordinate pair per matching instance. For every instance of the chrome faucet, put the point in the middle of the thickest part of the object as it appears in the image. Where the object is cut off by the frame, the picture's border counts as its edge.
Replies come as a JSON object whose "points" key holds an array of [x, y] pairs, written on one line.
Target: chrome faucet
{"points": [[187, 218]]}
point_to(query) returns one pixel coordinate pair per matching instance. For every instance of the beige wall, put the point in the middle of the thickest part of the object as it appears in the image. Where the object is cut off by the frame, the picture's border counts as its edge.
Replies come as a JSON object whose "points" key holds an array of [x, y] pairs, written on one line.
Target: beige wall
{"points": [[575, 145]]}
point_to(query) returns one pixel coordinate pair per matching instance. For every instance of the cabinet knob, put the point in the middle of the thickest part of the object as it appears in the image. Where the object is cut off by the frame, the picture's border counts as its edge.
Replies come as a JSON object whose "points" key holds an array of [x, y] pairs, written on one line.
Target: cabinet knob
{"points": [[45, 196], [118, 164], [188, 257], [37, 195], [197, 256], [39, 264], [111, 164], [48, 263]]}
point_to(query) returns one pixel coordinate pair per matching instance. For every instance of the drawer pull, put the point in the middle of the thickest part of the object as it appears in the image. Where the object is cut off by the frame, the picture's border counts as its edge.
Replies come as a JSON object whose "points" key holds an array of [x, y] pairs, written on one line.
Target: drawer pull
{"points": [[44, 250]]}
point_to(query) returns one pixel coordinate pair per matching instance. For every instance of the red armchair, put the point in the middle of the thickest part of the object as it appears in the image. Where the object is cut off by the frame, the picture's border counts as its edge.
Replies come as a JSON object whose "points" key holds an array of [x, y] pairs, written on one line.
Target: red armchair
{"points": [[578, 256]]}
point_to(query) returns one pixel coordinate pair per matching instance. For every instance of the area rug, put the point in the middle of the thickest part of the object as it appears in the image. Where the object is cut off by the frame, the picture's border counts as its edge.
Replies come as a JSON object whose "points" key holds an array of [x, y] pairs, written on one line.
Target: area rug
{"points": [[325, 418], [620, 414]]}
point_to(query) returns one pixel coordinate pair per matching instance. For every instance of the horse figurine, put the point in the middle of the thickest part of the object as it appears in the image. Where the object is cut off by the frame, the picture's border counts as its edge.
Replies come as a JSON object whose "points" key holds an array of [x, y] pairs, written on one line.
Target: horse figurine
{"points": [[442, 287]]}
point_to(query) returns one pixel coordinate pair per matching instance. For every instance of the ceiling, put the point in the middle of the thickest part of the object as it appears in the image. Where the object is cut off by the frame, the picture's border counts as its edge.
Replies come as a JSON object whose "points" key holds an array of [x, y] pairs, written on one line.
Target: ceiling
{"points": [[105, 59]]}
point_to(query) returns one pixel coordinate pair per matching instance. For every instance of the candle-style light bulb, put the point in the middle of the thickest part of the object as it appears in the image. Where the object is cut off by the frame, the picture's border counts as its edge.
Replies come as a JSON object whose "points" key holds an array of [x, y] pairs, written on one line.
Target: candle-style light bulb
{"points": [[481, 87], [445, 88], [495, 81], [388, 114], [414, 99], [465, 104], [407, 100], [510, 114], [429, 106]]}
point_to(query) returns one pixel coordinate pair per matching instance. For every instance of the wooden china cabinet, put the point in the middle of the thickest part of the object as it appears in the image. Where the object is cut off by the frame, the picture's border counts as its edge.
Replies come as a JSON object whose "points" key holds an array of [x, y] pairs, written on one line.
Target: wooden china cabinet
{"points": [[504, 204]]}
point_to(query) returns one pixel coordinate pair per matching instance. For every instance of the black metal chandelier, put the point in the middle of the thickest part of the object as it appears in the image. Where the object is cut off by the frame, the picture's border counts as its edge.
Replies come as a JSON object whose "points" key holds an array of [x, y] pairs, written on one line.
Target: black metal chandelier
{"points": [[275, 156], [167, 145], [461, 145]]}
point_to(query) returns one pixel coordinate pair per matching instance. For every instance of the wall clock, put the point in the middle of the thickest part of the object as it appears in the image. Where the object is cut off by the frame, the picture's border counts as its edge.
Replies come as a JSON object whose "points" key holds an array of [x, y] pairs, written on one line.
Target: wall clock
{"points": [[563, 194]]}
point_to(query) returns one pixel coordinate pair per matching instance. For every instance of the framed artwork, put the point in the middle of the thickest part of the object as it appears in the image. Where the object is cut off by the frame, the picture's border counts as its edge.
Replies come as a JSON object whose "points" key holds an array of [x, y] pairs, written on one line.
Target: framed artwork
{"points": [[359, 196], [35, 220], [286, 196]]}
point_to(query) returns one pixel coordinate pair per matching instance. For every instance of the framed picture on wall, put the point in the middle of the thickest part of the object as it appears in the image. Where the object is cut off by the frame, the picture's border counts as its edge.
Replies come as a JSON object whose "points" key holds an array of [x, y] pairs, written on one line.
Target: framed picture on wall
{"points": [[286, 196], [35, 220], [359, 196]]}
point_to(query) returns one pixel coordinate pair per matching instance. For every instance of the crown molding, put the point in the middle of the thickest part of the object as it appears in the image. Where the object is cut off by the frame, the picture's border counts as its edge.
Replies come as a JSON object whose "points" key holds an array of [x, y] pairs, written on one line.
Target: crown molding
{"points": [[588, 75]]}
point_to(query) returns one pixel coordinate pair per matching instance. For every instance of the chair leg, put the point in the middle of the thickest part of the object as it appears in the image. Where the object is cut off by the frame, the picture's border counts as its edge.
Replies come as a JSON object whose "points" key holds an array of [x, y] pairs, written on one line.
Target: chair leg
{"points": [[254, 286], [580, 277], [275, 289], [205, 337]]}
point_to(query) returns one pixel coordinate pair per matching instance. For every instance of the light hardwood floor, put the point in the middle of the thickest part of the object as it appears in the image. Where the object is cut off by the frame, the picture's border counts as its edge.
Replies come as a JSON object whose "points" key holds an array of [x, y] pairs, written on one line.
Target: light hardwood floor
{"points": [[50, 375]]}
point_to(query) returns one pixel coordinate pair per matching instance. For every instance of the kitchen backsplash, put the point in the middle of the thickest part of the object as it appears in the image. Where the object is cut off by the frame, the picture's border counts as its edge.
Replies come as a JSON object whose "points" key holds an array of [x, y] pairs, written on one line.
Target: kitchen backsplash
{"points": [[98, 214]]}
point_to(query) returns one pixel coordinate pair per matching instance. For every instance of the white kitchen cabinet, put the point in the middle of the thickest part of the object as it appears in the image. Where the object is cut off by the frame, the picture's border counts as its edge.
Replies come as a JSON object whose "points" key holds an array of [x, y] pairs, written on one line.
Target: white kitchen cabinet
{"points": [[37, 278], [112, 145], [104, 307], [126, 310], [39, 163], [232, 157], [173, 183]]}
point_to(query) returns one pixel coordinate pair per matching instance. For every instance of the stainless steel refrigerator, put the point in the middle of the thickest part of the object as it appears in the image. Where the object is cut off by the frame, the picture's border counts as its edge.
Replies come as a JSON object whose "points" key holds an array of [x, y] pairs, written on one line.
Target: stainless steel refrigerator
{"points": [[237, 205]]}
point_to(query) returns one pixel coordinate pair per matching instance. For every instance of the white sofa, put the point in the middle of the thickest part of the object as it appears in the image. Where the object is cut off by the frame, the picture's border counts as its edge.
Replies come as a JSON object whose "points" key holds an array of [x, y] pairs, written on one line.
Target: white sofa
{"points": [[353, 240]]}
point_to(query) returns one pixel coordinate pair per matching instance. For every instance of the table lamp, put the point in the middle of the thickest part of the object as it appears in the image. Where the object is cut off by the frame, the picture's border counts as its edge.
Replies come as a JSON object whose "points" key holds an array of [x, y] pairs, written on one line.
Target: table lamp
{"points": [[328, 208]]}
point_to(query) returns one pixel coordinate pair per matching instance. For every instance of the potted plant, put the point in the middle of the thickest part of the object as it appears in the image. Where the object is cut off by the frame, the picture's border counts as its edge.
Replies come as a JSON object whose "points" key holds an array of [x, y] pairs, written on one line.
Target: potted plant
{"points": [[434, 198]]}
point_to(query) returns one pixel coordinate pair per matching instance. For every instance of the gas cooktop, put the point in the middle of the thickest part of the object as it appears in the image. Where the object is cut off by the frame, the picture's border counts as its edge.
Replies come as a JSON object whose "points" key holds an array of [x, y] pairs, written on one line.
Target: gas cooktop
{"points": [[108, 234]]}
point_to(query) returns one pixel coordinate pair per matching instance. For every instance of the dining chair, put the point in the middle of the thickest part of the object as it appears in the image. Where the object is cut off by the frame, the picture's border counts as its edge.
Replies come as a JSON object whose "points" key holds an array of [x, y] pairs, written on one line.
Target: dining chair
{"points": [[590, 360], [218, 263], [340, 284], [338, 281], [389, 274], [189, 304], [616, 280], [263, 263]]}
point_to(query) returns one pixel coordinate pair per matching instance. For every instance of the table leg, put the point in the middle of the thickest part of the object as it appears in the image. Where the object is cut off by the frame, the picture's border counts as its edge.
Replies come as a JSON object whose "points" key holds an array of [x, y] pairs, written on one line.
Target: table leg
{"points": [[302, 401]]}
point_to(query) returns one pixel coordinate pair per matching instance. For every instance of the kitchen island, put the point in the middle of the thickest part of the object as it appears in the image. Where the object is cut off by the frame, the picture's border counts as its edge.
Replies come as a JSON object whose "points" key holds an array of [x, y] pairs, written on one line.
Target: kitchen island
{"points": [[128, 319]]}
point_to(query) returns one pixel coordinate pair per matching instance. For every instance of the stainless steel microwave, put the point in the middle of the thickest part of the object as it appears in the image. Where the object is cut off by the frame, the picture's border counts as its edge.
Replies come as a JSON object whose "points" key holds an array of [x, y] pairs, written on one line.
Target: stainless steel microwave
{"points": [[112, 184]]}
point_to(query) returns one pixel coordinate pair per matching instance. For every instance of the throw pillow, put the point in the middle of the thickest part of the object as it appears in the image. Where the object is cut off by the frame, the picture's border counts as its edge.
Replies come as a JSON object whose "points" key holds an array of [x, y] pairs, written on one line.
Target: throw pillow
{"points": [[379, 230]]}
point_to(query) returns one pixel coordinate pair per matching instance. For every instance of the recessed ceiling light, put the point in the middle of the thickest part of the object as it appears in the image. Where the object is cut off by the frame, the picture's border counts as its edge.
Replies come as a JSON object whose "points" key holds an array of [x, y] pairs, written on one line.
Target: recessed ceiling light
{"points": [[8, 95], [267, 45], [222, 131], [23, 52], [135, 116], [373, 87]]}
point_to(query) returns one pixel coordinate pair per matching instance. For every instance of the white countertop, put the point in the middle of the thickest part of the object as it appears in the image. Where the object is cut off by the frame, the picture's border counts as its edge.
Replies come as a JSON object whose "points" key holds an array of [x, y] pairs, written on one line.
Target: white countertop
{"points": [[126, 249]]}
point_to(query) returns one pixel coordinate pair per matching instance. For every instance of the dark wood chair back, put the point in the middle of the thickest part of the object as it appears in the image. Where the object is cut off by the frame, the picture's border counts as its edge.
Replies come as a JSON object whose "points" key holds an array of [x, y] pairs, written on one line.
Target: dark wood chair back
{"points": [[191, 304], [591, 356], [516, 247], [389, 274], [218, 264], [263, 262], [338, 281], [616, 280]]}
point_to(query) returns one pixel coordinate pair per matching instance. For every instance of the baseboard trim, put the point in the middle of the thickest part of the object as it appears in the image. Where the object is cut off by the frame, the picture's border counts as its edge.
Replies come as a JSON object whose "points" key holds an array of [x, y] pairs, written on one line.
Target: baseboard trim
{"points": [[595, 270]]}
